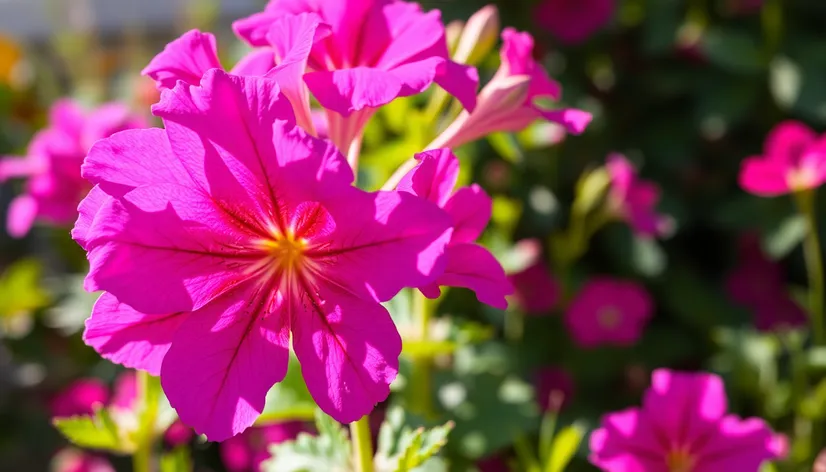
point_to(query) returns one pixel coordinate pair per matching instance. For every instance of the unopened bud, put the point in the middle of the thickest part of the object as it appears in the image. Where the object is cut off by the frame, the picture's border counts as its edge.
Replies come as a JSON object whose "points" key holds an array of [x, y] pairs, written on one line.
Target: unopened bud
{"points": [[478, 37], [453, 32]]}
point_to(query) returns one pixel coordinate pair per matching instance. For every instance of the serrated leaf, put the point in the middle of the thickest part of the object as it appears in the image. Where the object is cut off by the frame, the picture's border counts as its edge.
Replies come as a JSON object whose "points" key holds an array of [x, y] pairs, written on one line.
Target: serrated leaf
{"points": [[92, 432], [176, 460], [422, 445], [563, 448], [328, 451]]}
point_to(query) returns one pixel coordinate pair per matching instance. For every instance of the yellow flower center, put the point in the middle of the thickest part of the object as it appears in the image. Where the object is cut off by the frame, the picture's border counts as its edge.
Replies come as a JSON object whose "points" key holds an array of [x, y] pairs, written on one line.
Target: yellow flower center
{"points": [[680, 460], [286, 251]]}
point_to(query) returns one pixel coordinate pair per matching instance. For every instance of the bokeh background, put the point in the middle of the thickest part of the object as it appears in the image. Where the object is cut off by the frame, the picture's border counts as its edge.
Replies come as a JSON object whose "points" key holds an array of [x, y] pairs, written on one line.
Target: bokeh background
{"points": [[685, 88]]}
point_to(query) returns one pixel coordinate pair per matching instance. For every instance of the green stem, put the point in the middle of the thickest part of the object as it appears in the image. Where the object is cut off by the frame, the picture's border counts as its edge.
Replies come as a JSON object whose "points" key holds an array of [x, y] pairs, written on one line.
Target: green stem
{"points": [[546, 436], [149, 394], [514, 325], [362, 444], [421, 377], [814, 264], [771, 18]]}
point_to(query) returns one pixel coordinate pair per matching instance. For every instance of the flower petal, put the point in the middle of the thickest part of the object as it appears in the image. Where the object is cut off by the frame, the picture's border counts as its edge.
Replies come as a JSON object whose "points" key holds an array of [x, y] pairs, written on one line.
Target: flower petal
{"points": [[255, 63], [22, 213], [574, 120], [461, 81], [471, 209], [127, 337], [434, 178], [474, 267], [348, 348], [787, 141], [349, 90], [186, 59], [391, 240], [763, 177], [223, 361], [87, 210], [171, 241]]}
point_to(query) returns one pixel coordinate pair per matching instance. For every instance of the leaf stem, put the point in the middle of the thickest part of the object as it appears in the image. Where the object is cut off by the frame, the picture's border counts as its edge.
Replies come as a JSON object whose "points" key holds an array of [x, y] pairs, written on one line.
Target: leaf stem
{"points": [[362, 444], [148, 393]]}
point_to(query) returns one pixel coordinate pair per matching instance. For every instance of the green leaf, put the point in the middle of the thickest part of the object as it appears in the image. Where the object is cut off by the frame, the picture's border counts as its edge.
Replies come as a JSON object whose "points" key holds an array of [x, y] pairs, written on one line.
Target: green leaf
{"points": [[176, 460], [328, 451], [405, 445], [507, 146], [289, 399], [20, 295], [92, 432], [784, 237], [563, 448], [590, 191]]}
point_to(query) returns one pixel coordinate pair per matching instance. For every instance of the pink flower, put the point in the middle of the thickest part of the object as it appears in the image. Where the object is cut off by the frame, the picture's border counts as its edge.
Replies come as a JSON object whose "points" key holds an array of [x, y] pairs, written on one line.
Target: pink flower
{"points": [[608, 312], [81, 397], [794, 159], [177, 434], [75, 460], [246, 452], [554, 388], [469, 265], [52, 165], [536, 290], [757, 283], [682, 426], [574, 21], [635, 200], [509, 101], [376, 51], [125, 391], [235, 216]]}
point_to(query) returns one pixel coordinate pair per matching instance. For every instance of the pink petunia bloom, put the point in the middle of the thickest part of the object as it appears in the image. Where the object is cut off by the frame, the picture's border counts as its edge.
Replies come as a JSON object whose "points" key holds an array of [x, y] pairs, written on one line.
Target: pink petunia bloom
{"points": [[76, 460], [794, 159], [246, 452], [178, 434], [682, 426], [376, 51], [469, 265], [536, 291], [81, 397], [52, 164], [235, 216], [635, 200], [757, 283], [574, 21], [608, 312], [510, 101], [554, 388]]}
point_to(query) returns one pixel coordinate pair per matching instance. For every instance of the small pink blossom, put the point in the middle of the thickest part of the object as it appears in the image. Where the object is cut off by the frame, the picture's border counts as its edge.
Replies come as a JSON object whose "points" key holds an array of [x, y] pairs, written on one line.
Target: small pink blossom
{"points": [[794, 159], [554, 388], [178, 434], [81, 397], [682, 426], [757, 284], [376, 51], [536, 291], [246, 451], [76, 460], [52, 164], [469, 265], [635, 200], [608, 312], [574, 21], [511, 100], [250, 238]]}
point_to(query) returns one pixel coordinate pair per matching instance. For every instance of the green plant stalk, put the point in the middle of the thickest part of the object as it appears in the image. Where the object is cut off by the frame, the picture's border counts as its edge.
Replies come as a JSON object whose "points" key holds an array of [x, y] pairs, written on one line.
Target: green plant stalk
{"points": [[362, 444], [771, 19], [148, 395], [421, 377], [546, 437], [814, 264]]}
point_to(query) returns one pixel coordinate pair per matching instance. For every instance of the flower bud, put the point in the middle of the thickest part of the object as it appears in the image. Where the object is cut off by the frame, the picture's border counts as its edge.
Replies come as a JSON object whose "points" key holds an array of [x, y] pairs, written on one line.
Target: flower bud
{"points": [[479, 36]]}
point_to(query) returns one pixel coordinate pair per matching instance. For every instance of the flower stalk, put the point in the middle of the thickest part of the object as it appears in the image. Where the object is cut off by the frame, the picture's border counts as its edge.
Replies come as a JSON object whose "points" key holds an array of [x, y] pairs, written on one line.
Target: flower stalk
{"points": [[362, 444], [148, 394], [814, 263]]}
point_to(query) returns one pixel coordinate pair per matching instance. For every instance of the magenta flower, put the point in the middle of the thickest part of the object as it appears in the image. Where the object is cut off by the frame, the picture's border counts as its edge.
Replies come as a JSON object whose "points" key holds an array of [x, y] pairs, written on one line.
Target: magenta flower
{"points": [[469, 265], [574, 21], [757, 284], [682, 426], [794, 159], [635, 200], [177, 434], [608, 312], [52, 164], [554, 388], [376, 51], [509, 102], [246, 452], [536, 291], [235, 216], [81, 397]]}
